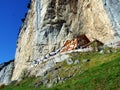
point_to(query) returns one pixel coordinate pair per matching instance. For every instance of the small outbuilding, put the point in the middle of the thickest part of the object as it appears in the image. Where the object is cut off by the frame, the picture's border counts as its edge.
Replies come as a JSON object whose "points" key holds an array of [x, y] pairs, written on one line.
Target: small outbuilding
{"points": [[81, 42], [77, 42]]}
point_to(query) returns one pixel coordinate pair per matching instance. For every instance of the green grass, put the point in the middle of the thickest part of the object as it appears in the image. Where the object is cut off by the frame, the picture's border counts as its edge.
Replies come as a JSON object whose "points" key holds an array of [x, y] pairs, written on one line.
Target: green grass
{"points": [[101, 73], [102, 77]]}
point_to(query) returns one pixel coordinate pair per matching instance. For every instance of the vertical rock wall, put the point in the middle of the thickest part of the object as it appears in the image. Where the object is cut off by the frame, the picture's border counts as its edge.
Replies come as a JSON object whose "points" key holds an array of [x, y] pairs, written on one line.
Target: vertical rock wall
{"points": [[6, 71], [50, 23], [112, 8], [25, 44]]}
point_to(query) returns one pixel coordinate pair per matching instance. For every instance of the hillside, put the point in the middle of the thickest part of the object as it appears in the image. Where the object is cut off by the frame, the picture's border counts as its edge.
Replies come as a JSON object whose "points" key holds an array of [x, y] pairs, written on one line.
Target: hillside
{"points": [[100, 72]]}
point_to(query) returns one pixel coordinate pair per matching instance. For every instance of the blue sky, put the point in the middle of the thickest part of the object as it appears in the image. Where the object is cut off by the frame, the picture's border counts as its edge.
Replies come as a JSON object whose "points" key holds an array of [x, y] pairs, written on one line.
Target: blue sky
{"points": [[11, 12]]}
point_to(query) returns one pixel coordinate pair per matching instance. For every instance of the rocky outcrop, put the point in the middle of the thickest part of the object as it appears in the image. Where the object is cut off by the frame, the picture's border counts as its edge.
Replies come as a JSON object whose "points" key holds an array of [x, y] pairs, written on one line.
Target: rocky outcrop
{"points": [[49, 23], [113, 10], [46, 66], [6, 71]]}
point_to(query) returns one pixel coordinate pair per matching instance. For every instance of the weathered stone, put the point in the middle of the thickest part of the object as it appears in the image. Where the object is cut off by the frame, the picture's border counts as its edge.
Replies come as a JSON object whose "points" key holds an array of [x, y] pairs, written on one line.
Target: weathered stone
{"points": [[55, 80], [48, 66], [42, 71], [6, 71], [49, 85], [108, 51], [76, 62], [49, 23], [45, 81], [101, 52], [69, 61], [86, 60]]}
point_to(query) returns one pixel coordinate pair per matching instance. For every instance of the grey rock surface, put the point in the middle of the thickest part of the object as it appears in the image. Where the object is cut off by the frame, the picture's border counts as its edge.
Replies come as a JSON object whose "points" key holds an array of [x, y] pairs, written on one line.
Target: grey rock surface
{"points": [[49, 23], [6, 71], [113, 9], [69, 61], [76, 61]]}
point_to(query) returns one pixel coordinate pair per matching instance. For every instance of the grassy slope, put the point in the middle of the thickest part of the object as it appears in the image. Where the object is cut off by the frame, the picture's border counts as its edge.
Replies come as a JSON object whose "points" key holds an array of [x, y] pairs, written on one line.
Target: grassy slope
{"points": [[101, 73], [102, 77]]}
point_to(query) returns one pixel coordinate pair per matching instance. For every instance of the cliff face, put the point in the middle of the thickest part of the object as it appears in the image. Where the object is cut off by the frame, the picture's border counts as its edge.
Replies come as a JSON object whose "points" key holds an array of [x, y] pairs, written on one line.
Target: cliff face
{"points": [[6, 71], [24, 51], [49, 23], [113, 11]]}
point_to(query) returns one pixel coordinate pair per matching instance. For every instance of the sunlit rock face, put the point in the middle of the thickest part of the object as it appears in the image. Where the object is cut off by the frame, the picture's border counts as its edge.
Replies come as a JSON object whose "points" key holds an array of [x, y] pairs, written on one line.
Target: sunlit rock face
{"points": [[112, 8], [49, 23], [6, 71]]}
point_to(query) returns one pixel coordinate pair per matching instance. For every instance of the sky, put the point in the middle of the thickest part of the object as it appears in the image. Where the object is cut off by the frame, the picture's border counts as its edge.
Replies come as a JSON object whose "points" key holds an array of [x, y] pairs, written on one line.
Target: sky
{"points": [[11, 13]]}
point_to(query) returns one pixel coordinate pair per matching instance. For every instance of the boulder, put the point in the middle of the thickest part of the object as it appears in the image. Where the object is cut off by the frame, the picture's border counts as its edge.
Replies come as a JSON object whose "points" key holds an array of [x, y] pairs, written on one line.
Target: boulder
{"points": [[86, 60], [76, 62], [101, 52], [69, 61]]}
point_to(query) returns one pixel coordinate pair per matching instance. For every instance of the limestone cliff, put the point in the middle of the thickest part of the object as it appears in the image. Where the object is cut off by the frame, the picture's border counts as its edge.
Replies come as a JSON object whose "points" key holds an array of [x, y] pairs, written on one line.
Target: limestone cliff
{"points": [[6, 71], [49, 23]]}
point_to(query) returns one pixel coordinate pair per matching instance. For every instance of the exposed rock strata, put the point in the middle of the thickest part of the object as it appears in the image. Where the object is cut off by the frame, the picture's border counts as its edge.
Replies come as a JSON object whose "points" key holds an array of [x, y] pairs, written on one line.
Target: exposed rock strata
{"points": [[49, 23], [6, 71]]}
